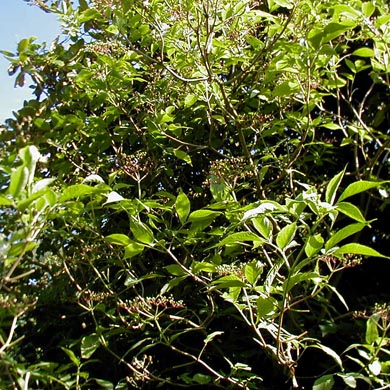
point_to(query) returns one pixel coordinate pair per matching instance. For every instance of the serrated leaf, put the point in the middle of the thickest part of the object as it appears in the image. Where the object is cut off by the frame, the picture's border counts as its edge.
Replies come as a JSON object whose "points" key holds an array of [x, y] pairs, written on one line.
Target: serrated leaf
{"points": [[358, 187], [286, 235], [351, 211], [358, 249], [343, 233], [89, 344], [183, 207]]}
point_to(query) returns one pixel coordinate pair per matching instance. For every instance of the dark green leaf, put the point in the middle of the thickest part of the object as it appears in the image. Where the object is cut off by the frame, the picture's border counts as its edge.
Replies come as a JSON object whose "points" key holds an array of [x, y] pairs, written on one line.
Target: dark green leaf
{"points": [[89, 344]]}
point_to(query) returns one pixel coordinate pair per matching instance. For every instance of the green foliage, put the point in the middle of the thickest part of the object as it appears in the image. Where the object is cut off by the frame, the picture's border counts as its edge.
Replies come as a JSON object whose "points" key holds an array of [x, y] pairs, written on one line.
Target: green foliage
{"points": [[179, 201]]}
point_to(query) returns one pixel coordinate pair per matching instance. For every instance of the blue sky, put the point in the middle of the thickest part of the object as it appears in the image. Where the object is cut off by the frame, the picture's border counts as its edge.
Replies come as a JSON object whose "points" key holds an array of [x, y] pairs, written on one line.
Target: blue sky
{"points": [[18, 20]]}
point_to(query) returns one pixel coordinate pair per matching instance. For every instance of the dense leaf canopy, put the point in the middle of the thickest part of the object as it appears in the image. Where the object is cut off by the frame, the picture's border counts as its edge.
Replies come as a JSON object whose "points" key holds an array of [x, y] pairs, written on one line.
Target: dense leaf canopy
{"points": [[184, 199]]}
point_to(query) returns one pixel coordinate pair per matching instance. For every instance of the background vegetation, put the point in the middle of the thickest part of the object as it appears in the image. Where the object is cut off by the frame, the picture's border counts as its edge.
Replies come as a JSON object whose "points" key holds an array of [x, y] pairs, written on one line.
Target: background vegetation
{"points": [[198, 196]]}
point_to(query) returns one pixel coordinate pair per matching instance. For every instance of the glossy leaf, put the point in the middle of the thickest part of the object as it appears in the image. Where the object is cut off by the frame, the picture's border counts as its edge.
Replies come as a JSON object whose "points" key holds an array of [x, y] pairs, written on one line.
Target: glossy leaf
{"points": [[358, 249], [89, 344], [183, 206], [286, 235], [343, 233], [332, 187], [358, 187], [351, 211], [140, 231]]}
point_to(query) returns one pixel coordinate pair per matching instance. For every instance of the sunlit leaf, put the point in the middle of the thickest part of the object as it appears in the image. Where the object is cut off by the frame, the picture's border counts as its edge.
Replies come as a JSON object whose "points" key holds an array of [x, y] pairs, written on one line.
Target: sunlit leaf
{"points": [[286, 235], [358, 187], [183, 206]]}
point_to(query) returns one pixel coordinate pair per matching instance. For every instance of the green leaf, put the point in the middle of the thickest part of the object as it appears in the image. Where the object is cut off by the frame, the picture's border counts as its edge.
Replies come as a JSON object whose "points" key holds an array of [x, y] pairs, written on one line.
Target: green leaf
{"points": [[343, 234], [358, 249], [286, 235], [180, 154], [330, 352], [202, 379], [240, 237], [133, 249], [172, 283], [326, 382], [368, 8], [360, 186], [228, 281], [334, 30], [286, 89], [264, 306], [104, 384], [175, 270], [183, 207], [89, 14], [372, 334], [19, 178], [71, 356], [118, 239], [252, 271], [77, 191], [263, 225], [314, 245], [5, 201], [140, 231], [212, 336], [364, 52], [332, 187], [89, 344], [299, 278], [30, 156], [203, 214], [349, 380], [190, 100], [351, 211]]}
